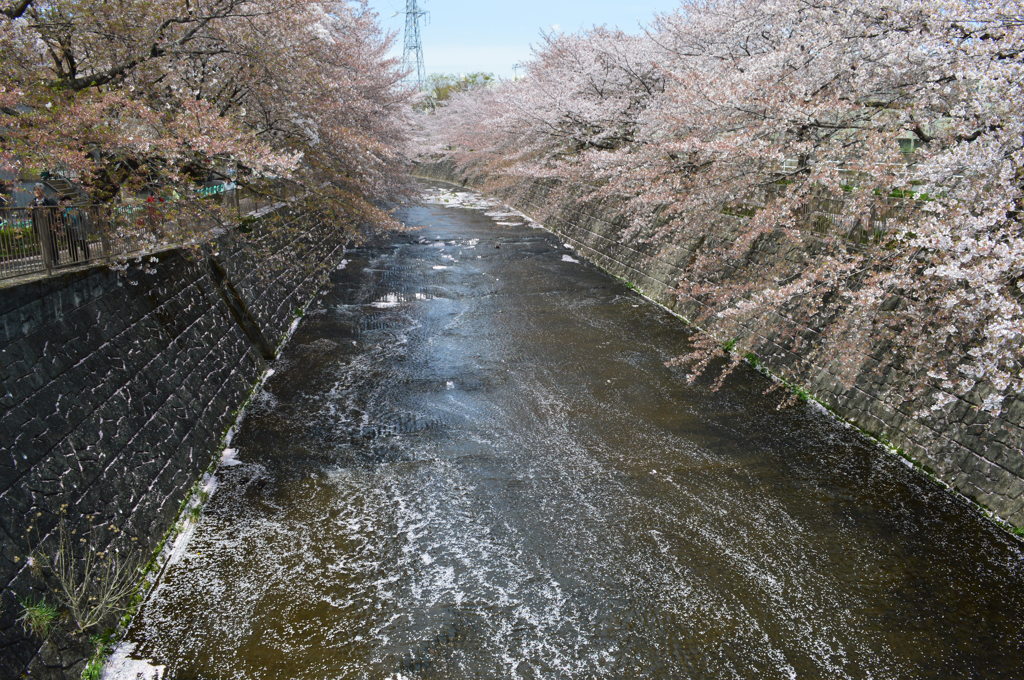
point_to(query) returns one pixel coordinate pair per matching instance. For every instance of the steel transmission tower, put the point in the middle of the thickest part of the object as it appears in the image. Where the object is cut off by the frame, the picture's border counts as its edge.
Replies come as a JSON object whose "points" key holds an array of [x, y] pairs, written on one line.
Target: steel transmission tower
{"points": [[412, 54]]}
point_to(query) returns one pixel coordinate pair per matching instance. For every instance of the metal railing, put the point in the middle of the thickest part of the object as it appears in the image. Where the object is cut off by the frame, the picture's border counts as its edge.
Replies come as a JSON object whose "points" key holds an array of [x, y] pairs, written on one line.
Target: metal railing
{"points": [[46, 239], [881, 219]]}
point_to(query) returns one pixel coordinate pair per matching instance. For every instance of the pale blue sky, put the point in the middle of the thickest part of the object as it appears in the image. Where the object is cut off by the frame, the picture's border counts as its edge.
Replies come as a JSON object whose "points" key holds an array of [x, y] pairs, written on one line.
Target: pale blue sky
{"points": [[461, 37]]}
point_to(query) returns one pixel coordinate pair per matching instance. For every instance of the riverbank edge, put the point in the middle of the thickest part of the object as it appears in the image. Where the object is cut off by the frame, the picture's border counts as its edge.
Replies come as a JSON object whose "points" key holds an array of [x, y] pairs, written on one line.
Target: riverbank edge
{"points": [[888, 442], [177, 538], [180, 347]]}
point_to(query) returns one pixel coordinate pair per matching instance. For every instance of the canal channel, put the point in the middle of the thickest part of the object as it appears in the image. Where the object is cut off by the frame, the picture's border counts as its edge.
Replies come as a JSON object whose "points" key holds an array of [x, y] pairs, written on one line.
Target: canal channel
{"points": [[472, 462]]}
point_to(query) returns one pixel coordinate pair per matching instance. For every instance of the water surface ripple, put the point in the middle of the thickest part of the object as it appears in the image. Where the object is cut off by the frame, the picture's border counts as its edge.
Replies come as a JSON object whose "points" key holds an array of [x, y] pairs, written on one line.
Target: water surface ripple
{"points": [[472, 462]]}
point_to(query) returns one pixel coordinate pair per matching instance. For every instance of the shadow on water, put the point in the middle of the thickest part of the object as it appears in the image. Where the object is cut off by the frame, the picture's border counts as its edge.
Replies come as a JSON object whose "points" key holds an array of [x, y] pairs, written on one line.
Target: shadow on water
{"points": [[472, 462]]}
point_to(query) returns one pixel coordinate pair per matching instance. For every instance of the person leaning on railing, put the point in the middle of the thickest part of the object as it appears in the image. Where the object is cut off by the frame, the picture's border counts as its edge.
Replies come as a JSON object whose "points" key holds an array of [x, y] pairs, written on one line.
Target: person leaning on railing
{"points": [[73, 221], [45, 223]]}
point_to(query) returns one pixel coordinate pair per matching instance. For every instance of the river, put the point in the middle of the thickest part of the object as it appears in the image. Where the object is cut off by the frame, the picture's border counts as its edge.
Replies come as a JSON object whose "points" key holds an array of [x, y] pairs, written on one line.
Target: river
{"points": [[471, 462]]}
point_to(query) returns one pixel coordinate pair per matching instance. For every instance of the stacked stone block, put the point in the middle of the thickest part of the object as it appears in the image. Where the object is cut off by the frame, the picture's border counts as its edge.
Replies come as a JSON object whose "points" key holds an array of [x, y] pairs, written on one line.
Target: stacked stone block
{"points": [[116, 389]]}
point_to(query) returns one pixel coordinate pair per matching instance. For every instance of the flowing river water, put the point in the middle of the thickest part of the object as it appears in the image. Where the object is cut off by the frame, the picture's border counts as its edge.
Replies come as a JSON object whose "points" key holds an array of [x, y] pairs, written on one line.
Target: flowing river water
{"points": [[472, 463]]}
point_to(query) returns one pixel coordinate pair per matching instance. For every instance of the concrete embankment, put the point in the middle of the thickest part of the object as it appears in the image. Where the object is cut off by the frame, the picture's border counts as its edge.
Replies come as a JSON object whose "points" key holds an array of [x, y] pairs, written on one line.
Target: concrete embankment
{"points": [[978, 455], [117, 389]]}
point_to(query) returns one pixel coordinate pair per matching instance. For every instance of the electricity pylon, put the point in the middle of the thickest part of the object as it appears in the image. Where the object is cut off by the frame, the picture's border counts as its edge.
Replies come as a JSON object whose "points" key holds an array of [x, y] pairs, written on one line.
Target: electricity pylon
{"points": [[412, 54]]}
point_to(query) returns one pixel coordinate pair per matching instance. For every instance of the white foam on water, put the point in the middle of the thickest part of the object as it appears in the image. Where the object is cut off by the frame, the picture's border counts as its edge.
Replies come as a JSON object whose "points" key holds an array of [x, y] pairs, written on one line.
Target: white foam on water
{"points": [[229, 458], [458, 199], [388, 301], [180, 545], [122, 666], [342, 265], [439, 266]]}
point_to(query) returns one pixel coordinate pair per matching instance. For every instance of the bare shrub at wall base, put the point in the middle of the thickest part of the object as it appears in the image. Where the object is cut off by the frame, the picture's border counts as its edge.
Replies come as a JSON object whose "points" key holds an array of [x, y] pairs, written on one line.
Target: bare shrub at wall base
{"points": [[93, 587]]}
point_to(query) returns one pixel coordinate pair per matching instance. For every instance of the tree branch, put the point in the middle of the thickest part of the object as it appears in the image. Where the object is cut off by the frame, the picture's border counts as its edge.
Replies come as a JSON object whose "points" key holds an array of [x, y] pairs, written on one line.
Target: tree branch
{"points": [[17, 9]]}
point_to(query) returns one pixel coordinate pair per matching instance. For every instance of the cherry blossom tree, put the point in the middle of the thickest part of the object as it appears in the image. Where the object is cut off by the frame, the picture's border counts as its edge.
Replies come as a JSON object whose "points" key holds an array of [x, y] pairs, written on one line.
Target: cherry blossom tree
{"points": [[581, 93], [877, 142], [780, 109], [162, 94]]}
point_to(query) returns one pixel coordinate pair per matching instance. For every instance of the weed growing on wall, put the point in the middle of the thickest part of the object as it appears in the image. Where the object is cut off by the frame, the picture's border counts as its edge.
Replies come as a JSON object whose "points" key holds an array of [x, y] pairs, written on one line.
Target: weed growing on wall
{"points": [[37, 617], [103, 646]]}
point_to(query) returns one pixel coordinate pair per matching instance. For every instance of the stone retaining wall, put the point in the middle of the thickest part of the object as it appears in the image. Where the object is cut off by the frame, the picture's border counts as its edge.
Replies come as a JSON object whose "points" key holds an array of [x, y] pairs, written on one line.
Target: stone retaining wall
{"points": [[977, 455], [116, 389]]}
